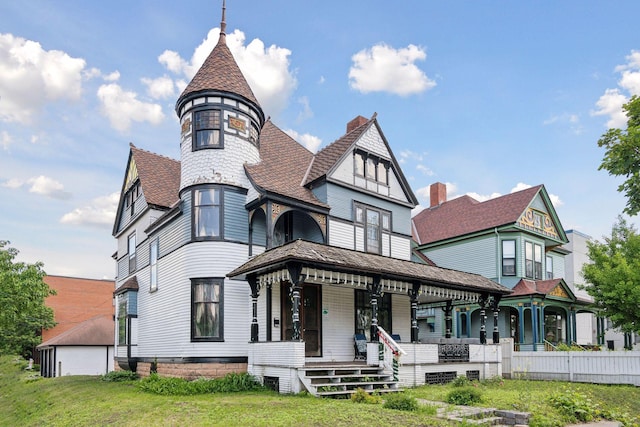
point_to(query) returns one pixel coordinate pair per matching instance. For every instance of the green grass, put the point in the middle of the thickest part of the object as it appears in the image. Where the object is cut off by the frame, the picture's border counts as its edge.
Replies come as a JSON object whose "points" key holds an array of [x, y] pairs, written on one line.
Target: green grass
{"points": [[89, 401]]}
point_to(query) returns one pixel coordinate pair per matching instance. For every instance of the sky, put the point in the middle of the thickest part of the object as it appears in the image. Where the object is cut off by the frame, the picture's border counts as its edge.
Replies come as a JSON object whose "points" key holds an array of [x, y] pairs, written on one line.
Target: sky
{"points": [[488, 97]]}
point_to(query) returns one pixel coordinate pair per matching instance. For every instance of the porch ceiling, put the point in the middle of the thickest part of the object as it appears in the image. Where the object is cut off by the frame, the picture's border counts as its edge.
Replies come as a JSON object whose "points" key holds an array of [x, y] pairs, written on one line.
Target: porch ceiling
{"points": [[339, 266]]}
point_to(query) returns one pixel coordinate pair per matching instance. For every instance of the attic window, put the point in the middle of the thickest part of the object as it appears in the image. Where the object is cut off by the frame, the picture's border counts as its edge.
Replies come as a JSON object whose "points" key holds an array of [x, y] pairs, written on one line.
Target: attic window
{"points": [[207, 129], [371, 167]]}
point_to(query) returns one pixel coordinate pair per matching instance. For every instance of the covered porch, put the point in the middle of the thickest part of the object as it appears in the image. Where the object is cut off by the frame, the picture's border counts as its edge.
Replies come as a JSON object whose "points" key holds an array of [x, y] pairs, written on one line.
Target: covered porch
{"points": [[310, 301]]}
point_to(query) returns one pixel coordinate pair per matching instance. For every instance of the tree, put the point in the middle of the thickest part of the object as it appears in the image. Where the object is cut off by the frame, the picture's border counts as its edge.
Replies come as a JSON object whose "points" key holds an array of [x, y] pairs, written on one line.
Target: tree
{"points": [[23, 313], [614, 276], [622, 155]]}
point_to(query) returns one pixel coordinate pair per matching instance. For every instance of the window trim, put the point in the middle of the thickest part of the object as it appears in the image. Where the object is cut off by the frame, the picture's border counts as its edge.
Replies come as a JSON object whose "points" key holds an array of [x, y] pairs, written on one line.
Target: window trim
{"points": [[132, 254], [194, 235], [217, 281], [153, 264], [363, 222], [537, 262], [549, 263], [370, 161], [528, 261], [220, 129], [123, 304], [504, 258]]}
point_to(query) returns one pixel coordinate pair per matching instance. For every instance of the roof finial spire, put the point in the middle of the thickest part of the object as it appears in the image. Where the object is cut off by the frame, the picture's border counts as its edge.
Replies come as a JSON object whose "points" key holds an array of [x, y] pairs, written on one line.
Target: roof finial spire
{"points": [[223, 23]]}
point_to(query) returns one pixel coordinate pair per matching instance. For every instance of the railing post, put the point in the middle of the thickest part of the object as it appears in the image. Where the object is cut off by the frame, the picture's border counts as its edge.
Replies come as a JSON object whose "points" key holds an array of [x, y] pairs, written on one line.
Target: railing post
{"points": [[255, 291], [413, 295], [496, 311], [448, 322], [374, 291], [295, 271]]}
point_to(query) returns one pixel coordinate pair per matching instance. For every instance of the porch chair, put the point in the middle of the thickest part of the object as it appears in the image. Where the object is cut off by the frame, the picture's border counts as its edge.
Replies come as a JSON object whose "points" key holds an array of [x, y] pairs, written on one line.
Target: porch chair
{"points": [[360, 347], [395, 337]]}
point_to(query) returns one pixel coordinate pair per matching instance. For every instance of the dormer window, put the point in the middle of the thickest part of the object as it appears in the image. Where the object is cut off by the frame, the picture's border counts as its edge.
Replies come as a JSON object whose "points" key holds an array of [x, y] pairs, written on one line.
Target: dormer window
{"points": [[371, 167], [130, 198], [206, 129]]}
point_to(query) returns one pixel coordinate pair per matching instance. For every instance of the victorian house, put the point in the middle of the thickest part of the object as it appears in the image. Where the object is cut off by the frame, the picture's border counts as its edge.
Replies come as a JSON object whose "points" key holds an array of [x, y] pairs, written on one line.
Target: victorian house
{"points": [[515, 240], [251, 253]]}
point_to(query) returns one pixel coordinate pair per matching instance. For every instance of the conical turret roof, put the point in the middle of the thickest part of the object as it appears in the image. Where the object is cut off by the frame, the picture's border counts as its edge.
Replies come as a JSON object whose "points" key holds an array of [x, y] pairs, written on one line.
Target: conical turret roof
{"points": [[219, 72]]}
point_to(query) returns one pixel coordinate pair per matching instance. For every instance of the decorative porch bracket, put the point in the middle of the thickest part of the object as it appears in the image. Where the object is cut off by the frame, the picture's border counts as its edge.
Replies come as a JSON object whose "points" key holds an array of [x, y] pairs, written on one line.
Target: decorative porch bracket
{"points": [[496, 310], [374, 292], [295, 271], [255, 292], [413, 295], [448, 320]]}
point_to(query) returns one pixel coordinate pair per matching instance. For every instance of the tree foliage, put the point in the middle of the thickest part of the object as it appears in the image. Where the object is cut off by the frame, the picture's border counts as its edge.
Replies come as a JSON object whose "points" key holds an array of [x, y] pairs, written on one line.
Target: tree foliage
{"points": [[622, 155], [23, 313], [614, 276]]}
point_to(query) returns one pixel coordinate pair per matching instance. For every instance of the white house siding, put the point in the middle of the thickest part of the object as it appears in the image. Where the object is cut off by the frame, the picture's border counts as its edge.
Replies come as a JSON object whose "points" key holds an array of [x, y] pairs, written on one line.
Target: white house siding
{"points": [[520, 253], [558, 264], [140, 204], [400, 247], [337, 324], [401, 316], [359, 238], [83, 360], [165, 315], [372, 142], [473, 256], [340, 234], [385, 241]]}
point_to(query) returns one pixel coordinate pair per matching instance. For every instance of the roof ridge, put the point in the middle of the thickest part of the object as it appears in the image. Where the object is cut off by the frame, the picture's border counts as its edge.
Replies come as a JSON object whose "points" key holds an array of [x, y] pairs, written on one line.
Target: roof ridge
{"points": [[153, 153]]}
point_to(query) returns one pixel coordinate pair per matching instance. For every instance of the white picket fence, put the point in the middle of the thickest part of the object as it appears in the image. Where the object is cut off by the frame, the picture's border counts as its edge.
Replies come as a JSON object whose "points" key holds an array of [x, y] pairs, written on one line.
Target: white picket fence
{"points": [[600, 367]]}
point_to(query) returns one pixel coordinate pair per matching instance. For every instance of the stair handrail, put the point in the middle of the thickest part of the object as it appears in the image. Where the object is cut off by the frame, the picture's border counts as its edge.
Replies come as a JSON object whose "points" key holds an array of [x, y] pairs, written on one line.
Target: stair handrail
{"points": [[386, 343], [548, 346]]}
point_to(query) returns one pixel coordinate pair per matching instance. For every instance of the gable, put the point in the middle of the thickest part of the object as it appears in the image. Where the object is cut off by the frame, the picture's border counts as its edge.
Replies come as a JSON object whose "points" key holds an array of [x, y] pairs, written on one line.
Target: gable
{"points": [[540, 217], [560, 292]]}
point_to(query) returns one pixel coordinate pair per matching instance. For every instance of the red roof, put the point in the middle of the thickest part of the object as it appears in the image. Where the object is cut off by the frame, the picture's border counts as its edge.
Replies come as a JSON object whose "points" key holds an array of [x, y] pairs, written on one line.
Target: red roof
{"points": [[466, 215], [533, 287], [159, 177], [99, 330], [219, 72]]}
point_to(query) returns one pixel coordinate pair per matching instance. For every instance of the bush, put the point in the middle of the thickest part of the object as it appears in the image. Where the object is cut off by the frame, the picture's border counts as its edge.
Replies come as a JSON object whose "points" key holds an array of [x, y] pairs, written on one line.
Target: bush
{"points": [[361, 396], [461, 381], [180, 387], [574, 405], [464, 396], [118, 376], [400, 402]]}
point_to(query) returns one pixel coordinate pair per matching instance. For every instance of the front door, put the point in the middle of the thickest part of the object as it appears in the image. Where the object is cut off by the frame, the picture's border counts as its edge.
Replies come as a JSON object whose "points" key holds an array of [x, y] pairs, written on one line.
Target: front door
{"points": [[310, 317]]}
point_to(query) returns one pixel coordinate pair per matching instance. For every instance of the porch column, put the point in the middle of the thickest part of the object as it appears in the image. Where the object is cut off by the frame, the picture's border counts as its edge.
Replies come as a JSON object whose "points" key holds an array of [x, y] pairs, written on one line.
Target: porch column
{"points": [[413, 294], [574, 320], [374, 291], [448, 322], [295, 271], [534, 325], [255, 291], [483, 319], [269, 311], [521, 323], [496, 310]]}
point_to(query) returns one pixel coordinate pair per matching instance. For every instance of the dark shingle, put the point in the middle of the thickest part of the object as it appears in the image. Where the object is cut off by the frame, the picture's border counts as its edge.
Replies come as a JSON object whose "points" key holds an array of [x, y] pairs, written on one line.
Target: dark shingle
{"points": [[159, 177]]}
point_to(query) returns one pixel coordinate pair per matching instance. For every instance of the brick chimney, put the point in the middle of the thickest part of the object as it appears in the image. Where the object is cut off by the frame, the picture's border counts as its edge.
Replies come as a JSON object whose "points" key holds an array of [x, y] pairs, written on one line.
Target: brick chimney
{"points": [[438, 194], [356, 123]]}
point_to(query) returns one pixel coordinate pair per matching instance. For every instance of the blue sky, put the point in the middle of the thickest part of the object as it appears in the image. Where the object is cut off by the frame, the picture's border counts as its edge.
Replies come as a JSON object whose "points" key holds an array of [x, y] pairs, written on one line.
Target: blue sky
{"points": [[484, 96]]}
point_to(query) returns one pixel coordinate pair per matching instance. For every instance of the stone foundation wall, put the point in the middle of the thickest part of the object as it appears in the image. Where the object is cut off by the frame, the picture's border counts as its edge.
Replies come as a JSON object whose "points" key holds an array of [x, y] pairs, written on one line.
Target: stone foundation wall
{"points": [[192, 371]]}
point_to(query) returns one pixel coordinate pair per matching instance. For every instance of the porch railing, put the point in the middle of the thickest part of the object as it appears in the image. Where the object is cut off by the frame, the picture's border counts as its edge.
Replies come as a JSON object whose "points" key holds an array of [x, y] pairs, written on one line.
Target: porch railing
{"points": [[389, 352]]}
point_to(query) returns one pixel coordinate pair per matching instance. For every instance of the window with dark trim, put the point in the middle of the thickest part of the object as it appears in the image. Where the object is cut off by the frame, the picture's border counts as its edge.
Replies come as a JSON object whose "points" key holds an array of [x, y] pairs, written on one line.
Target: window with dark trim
{"points": [[131, 247], [528, 259], [207, 309], [130, 198], [374, 221], [371, 167], [206, 129], [508, 257], [549, 268], [153, 264], [537, 262], [207, 213], [363, 313], [122, 319]]}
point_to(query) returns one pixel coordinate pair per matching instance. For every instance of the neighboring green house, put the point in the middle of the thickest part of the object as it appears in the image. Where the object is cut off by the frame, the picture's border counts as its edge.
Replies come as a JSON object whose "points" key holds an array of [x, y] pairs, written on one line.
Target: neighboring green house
{"points": [[515, 240]]}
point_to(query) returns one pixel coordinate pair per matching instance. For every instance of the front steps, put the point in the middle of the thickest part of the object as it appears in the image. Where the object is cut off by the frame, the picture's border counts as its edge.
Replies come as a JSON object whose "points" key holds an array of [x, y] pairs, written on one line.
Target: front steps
{"points": [[342, 381]]}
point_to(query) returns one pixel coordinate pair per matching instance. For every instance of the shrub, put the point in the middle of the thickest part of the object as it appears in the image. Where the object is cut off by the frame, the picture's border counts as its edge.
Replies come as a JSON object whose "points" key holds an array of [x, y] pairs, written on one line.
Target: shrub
{"points": [[180, 387], [461, 381], [361, 396], [400, 402], [574, 405], [118, 376], [464, 396]]}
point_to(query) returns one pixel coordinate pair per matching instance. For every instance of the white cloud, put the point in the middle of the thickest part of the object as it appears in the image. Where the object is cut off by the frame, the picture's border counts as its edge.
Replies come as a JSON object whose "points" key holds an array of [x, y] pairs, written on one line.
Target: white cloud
{"points": [[5, 140], [306, 112], [408, 154], [32, 76], [385, 69], [611, 102], [42, 185], [555, 200], [123, 107], [265, 68], [321, 80], [311, 142], [425, 170], [519, 187], [483, 197], [160, 88], [100, 213]]}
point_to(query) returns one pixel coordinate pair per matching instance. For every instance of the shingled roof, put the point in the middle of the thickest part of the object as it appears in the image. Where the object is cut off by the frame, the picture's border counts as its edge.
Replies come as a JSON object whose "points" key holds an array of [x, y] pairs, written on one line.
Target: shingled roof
{"points": [[159, 177], [340, 259], [98, 330], [283, 165], [219, 72], [466, 215], [326, 158]]}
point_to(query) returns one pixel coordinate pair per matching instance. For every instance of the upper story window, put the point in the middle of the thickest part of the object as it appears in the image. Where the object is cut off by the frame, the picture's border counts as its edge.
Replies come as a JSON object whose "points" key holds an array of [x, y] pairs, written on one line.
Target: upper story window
{"points": [[374, 221], [206, 133], [371, 167], [549, 268], [131, 247], [206, 309], [537, 261], [207, 215], [130, 198], [153, 264], [533, 260], [508, 257], [122, 319]]}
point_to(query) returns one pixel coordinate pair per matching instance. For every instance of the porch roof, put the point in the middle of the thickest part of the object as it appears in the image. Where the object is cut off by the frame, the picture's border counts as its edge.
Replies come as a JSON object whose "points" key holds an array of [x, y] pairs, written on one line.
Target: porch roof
{"points": [[333, 265]]}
